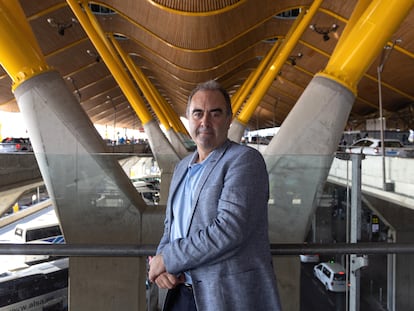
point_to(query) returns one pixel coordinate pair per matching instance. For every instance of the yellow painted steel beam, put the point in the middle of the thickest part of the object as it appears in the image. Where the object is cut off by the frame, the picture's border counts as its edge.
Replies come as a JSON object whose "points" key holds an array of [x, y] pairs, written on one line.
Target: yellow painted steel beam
{"points": [[387, 85], [159, 105], [137, 75], [264, 65], [390, 87], [168, 117], [66, 47], [20, 55], [247, 87], [368, 103], [172, 115], [102, 46], [160, 102], [285, 49], [49, 10], [156, 104], [176, 122], [359, 9], [361, 46], [236, 95], [240, 96], [401, 50]]}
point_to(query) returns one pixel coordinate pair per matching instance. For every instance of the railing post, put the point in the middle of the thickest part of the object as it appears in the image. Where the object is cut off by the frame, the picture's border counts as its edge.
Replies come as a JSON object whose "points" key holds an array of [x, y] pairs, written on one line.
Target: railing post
{"points": [[355, 232], [391, 273]]}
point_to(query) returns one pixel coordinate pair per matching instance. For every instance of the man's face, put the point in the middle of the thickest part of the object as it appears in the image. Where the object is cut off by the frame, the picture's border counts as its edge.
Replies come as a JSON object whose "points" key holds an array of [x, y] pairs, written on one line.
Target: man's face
{"points": [[208, 120]]}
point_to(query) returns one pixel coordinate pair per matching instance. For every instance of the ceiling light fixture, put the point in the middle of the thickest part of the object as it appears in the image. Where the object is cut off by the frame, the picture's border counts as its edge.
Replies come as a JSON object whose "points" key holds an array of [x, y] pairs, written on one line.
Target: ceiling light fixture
{"points": [[292, 59], [94, 55], [324, 31], [61, 27], [279, 77]]}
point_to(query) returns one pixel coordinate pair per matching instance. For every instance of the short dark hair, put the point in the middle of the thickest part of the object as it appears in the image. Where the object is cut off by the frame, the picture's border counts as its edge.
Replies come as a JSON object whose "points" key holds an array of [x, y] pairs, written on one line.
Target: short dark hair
{"points": [[211, 85]]}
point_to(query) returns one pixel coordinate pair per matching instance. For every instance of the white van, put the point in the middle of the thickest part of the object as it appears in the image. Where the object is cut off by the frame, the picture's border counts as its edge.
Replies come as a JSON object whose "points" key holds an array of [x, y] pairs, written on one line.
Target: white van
{"points": [[332, 275]]}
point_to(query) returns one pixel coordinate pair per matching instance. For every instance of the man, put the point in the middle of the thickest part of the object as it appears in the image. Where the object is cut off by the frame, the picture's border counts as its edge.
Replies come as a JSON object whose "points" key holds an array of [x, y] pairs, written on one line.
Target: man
{"points": [[214, 254]]}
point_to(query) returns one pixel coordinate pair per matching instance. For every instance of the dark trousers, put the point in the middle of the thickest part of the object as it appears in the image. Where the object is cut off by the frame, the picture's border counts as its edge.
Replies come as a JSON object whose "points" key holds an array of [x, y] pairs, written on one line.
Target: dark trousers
{"points": [[180, 298]]}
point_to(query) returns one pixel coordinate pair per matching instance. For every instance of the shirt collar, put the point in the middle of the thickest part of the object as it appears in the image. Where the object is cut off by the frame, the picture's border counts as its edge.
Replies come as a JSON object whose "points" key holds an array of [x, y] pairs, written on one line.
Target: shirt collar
{"points": [[195, 157]]}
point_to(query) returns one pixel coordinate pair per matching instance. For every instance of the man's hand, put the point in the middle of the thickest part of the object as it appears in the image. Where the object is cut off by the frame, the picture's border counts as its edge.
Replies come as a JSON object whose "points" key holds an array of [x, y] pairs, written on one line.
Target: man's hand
{"points": [[169, 281], [159, 275], [156, 267]]}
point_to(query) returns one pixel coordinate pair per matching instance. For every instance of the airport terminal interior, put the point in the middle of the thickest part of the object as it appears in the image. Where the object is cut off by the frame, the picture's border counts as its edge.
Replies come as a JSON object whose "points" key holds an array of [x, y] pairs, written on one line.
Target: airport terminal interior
{"points": [[322, 88]]}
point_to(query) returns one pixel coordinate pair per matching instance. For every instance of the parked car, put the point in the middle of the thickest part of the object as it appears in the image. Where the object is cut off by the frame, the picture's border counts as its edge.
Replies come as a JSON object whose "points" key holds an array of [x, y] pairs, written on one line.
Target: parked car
{"points": [[372, 146], [332, 275], [308, 258], [11, 144]]}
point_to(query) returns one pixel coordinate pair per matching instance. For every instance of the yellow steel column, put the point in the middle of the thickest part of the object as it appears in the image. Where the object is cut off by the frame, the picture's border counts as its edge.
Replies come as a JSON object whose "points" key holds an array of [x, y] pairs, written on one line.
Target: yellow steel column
{"points": [[236, 95], [176, 122], [159, 102], [274, 69], [240, 97], [246, 88], [154, 102], [20, 55], [359, 9], [137, 75], [113, 64], [168, 118], [159, 106], [359, 49]]}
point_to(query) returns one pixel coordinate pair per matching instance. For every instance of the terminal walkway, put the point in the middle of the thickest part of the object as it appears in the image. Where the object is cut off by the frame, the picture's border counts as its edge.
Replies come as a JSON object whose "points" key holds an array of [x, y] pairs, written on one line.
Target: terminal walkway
{"points": [[397, 187]]}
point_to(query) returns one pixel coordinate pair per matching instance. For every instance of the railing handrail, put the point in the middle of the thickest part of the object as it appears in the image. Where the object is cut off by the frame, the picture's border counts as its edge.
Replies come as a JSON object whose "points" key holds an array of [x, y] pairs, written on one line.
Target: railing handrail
{"points": [[121, 250]]}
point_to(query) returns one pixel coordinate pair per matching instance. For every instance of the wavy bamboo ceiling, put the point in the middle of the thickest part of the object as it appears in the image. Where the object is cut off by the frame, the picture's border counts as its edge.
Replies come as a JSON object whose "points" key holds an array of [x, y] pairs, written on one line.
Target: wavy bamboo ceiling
{"points": [[179, 43]]}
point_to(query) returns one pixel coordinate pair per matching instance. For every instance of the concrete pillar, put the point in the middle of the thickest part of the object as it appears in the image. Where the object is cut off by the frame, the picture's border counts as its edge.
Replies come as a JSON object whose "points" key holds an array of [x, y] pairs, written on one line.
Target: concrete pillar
{"points": [[177, 143], [298, 160], [165, 155], [95, 201], [236, 131]]}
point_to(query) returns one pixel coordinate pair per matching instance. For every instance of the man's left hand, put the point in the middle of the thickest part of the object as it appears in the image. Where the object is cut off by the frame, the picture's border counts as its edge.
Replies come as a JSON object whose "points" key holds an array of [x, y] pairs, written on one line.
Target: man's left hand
{"points": [[157, 267]]}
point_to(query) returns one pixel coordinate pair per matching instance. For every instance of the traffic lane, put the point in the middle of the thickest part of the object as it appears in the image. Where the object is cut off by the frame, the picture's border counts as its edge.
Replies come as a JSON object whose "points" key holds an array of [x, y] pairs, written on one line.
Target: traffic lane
{"points": [[315, 297], [313, 293]]}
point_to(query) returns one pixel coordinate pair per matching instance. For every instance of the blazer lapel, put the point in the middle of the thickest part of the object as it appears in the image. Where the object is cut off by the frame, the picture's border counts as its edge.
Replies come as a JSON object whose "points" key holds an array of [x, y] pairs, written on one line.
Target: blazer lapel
{"points": [[175, 183], [209, 166]]}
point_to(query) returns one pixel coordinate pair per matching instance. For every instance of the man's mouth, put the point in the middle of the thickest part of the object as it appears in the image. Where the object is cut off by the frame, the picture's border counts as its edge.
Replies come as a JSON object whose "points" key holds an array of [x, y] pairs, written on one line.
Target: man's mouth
{"points": [[204, 132]]}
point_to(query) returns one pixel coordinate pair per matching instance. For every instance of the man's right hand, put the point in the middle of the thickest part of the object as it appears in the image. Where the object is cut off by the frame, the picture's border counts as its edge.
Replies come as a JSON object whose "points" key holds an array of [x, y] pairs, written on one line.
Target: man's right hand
{"points": [[169, 281]]}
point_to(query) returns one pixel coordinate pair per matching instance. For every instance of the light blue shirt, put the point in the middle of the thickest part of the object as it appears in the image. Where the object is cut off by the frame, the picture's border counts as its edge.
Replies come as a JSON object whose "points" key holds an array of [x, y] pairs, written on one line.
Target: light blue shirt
{"points": [[183, 201]]}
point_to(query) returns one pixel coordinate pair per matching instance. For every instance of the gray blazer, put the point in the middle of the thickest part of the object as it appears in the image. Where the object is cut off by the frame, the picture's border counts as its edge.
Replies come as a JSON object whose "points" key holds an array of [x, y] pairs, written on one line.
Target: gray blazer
{"points": [[226, 249]]}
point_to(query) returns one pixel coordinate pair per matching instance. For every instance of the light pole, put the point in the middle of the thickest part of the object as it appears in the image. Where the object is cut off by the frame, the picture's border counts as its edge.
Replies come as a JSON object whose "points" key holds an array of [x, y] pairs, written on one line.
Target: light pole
{"points": [[109, 100], [384, 57]]}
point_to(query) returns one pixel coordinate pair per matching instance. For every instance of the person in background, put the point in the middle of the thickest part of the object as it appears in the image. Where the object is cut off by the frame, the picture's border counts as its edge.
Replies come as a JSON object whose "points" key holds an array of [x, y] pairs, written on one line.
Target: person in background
{"points": [[215, 253], [411, 136]]}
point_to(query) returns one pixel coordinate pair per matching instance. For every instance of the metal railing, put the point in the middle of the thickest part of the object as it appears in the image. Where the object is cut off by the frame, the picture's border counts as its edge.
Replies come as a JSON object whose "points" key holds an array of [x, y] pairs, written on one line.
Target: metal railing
{"points": [[86, 250]]}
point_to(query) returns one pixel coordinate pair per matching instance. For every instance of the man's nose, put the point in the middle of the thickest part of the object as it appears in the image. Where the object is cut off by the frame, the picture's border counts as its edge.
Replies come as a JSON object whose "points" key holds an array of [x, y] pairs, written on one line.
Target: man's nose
{"points": [[205, 120]]}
